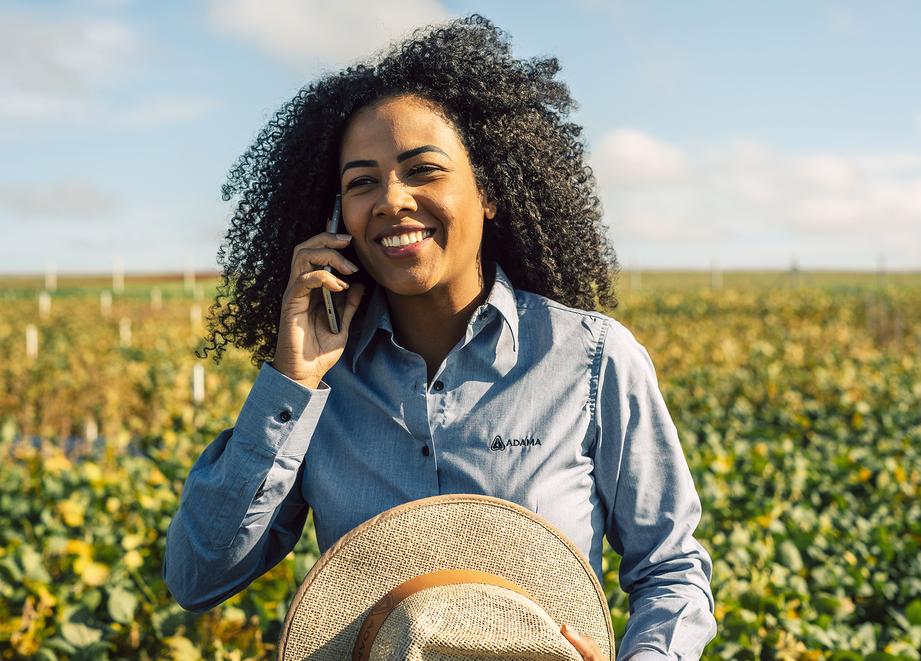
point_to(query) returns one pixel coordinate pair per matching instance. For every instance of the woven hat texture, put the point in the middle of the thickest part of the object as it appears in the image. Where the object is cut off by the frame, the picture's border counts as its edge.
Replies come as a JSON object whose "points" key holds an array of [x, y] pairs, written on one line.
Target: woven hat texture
{"points": [[475, 622], [446, 533]]}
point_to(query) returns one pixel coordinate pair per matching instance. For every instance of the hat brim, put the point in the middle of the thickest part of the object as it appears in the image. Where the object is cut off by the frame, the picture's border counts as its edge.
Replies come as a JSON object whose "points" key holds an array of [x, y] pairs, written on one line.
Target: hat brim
{"points": [[436, 534]]}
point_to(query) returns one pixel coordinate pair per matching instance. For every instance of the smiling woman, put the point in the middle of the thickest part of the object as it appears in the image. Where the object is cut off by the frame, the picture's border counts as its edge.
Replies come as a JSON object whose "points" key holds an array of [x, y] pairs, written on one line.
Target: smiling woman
{"points": [[473, 224], [416, 216]]}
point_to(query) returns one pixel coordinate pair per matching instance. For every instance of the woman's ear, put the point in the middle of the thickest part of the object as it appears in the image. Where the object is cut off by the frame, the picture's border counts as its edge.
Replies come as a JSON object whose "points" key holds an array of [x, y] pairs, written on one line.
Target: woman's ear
{"points": [[489, 207]]}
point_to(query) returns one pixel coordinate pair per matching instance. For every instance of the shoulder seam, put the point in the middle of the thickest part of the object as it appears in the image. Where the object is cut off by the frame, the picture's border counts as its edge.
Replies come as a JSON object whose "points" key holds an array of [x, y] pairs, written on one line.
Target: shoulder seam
{"points": [[596, 374]]}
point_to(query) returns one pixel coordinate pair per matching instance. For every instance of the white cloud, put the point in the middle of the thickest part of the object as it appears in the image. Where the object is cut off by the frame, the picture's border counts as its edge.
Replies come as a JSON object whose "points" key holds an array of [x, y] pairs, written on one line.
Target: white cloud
{"points": [[43, 106], [164, 110], [64, 56], [74, 72], [655, 191], [302, 32], [630, 157], [825, 172], [658, 226], [888, 164], [70, 197]]}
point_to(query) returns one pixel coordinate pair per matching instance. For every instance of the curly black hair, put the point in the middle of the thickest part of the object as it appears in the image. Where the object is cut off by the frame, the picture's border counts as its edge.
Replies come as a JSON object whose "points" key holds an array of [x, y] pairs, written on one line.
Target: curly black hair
{"points": [[511, 117]]}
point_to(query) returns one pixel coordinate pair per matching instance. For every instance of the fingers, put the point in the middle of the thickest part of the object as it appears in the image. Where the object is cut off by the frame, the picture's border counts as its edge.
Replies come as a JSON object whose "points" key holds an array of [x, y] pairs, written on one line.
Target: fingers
{"points": [[304, 283], [321, 251], [585, 645], [351, 305]]}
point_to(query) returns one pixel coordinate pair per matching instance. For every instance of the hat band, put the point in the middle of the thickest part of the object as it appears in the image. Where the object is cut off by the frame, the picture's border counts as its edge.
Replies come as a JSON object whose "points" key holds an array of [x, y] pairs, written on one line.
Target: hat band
{"points": [[392, 599]]}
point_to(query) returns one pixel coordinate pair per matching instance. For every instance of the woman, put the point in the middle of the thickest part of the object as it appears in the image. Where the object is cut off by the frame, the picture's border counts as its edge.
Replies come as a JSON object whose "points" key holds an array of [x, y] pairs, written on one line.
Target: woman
{"points": [[473, 219]]}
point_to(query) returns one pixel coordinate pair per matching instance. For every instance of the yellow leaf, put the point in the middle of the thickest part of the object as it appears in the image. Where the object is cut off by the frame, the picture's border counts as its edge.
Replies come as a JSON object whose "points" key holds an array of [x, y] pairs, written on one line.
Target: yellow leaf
{"points": [[183, 649], [78, 547], [72, 512], [92, 573], [92, 471], [132, 541], [133, 559], [46, 599], [57, 463], [722, 465]]}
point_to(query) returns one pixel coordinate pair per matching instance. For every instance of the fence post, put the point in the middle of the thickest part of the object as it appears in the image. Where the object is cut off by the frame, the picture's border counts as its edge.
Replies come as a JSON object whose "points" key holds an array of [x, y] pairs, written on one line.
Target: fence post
{"points": [[118, 275], [635, 283], [44, 304], [716, 274], [90, 430], [105, 303], [198, 383], [51, 275], [31, 342], [124, 332]]}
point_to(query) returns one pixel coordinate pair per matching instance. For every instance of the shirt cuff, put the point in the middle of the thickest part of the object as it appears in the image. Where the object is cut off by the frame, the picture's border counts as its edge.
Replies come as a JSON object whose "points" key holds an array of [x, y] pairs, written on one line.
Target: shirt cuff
{"points": [[649, 656], [280, 415]]}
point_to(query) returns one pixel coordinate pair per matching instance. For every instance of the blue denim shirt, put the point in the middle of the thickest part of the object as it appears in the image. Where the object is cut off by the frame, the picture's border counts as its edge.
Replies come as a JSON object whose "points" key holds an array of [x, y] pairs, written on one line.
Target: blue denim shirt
{"points": [[555, 409]]}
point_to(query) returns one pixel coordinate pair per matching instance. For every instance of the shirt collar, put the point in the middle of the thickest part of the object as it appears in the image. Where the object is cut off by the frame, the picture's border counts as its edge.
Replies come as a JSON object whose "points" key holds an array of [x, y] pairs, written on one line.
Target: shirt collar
{"points": [[501, 299]]}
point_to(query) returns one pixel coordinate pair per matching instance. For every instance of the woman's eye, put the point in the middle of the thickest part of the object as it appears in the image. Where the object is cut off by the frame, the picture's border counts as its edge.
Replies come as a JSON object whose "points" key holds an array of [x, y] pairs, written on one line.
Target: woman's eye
{"points": [[423, 169], [357, 183]]}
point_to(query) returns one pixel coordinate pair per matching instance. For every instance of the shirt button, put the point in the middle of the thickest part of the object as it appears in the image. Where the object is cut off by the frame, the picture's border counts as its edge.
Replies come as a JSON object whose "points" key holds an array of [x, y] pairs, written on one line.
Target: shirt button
{"points": [[285, 416], [439, 386], [484, 316], [425, 451]]}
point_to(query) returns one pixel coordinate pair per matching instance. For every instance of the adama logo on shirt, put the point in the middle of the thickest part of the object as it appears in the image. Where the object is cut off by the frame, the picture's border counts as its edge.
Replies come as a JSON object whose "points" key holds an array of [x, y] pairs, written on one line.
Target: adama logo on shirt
{"points": [[499, 445]]}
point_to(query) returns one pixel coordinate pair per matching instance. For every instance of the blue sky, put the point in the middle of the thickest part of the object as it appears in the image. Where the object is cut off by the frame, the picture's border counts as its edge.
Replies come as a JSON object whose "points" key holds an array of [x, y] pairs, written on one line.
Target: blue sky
{"points": [[749, 132]]}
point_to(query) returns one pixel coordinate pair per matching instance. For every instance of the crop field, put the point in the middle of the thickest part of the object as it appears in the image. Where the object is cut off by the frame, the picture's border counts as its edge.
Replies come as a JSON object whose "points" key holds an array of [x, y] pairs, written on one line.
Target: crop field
{"points": [[797, 398]]}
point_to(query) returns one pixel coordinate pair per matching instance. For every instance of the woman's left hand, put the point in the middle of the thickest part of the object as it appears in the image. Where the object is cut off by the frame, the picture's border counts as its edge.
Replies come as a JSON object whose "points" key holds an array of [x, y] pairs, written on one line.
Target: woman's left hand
{"points": [[585, 645]]}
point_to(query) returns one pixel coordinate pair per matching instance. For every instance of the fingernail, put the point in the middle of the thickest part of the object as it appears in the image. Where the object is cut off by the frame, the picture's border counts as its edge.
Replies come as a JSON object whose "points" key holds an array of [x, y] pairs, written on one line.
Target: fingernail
{"points": [[351, 266], [344, 237], [344, 284]]}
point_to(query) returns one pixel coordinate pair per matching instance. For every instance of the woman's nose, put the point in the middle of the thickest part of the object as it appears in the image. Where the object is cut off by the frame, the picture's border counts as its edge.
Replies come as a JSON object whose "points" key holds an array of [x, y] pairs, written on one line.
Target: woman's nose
{"points": [[395, 199]]}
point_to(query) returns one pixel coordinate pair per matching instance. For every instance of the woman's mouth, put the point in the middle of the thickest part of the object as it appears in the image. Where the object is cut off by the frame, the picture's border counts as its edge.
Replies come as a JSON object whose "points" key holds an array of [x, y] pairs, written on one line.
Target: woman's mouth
{"points": [[408, 239]]}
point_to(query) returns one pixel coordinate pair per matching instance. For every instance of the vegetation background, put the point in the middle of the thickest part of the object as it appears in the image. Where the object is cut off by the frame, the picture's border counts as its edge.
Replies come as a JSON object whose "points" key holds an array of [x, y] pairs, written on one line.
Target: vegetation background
{"points": [[797, 397]]}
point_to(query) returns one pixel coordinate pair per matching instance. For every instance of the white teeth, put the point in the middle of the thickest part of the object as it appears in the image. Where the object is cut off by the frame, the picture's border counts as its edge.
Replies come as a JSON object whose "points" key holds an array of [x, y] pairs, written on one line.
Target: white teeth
{"points": [[405, 239]]}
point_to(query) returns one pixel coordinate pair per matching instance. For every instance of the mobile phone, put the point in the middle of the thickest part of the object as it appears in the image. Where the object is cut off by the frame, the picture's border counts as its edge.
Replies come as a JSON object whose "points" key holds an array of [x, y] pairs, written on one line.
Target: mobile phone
{"points": [[332, 313]]}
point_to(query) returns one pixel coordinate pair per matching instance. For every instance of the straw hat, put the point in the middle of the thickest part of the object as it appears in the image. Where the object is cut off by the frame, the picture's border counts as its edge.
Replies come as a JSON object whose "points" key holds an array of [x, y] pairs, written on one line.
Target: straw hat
{"points": [[447, 577]]}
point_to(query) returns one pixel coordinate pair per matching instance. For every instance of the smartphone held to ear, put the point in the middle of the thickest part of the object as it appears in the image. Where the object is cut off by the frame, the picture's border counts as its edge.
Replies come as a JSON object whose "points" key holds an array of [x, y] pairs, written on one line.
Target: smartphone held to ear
{"points": [[335, 320]]}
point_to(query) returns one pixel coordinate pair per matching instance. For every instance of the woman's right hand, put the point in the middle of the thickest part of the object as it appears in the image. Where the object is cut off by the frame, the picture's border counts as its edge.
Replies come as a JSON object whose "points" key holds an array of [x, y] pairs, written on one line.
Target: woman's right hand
{"points": [[306, 349]]}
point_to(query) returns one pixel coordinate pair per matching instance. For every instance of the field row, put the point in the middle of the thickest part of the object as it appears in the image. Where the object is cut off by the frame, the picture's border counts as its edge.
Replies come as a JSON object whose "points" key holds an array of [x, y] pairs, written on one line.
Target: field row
{"points": [[799, 412]]}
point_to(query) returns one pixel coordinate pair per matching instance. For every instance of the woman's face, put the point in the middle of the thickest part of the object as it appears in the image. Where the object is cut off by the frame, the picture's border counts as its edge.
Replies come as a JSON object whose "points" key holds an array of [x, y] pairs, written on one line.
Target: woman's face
{"points": [[410, 200]]}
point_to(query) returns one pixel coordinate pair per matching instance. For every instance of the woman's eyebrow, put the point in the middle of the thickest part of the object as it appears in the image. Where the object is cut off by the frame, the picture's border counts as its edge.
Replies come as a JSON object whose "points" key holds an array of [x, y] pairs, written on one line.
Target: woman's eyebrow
{"points": [[400, 158], [358, 164], [420, 150]]}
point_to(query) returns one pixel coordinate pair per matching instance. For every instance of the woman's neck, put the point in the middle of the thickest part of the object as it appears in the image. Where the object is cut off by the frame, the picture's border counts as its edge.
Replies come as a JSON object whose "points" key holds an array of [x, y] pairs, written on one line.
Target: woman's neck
{"points": [[432, 324]]}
